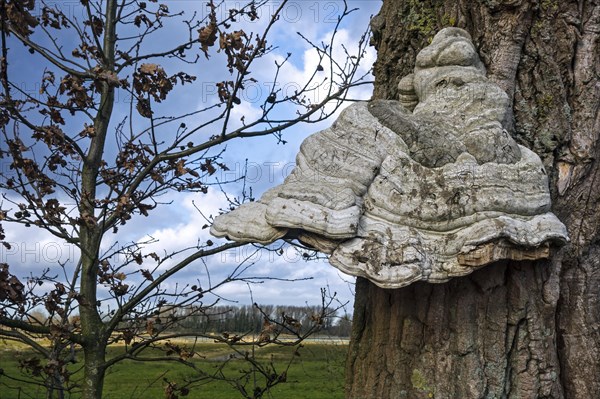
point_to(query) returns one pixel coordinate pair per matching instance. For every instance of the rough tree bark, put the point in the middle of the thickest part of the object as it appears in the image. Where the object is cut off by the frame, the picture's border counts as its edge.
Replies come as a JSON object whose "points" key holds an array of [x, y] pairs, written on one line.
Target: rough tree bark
{"points": [[509, 330]]}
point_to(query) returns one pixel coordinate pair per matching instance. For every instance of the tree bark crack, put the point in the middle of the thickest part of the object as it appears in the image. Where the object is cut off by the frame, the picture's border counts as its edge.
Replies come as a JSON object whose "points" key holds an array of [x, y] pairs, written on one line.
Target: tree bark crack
{"points": [[510, 354]]}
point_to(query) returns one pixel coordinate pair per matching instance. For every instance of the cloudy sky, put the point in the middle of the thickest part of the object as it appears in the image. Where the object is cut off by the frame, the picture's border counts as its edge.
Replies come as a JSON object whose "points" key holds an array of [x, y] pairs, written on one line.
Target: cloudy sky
{"points": [[179, 223]]}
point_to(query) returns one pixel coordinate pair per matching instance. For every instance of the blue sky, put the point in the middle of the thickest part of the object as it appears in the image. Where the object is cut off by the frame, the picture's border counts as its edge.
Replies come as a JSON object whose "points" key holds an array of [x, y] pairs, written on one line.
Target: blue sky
{"points": [[179, 223]]}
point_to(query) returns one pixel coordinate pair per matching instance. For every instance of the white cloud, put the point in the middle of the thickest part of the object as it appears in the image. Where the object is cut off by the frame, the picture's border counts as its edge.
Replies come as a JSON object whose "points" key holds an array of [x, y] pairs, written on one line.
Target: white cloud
{"points": [[186, 222]]}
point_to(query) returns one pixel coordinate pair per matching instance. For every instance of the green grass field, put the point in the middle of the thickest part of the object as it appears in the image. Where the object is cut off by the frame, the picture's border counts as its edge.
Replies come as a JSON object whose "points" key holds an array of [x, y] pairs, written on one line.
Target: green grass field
{"points": [[317, 373]]}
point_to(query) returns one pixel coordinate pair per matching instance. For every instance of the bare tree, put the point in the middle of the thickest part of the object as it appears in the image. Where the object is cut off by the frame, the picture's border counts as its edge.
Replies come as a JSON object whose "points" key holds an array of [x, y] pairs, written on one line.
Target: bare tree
{"points": [[78, 165]]}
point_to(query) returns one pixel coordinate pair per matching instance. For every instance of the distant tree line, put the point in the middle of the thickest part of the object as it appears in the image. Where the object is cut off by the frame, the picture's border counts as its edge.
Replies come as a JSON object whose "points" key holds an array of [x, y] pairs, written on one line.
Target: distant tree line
{"points": [[249, 319]]}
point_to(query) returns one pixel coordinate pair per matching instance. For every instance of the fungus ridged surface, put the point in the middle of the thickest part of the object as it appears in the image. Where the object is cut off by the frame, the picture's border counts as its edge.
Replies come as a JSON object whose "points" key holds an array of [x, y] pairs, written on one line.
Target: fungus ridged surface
{"points": [[429, 187]]}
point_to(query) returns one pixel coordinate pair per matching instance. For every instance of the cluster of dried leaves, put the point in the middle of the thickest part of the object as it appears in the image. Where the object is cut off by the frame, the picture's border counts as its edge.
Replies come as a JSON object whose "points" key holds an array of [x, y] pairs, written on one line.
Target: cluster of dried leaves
{"points": [[11, 288]]}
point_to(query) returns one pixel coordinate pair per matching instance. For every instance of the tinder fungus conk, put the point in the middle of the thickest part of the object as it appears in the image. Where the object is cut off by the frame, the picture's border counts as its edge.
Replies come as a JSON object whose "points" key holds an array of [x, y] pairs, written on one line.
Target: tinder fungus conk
{"points": [[425, 188]]}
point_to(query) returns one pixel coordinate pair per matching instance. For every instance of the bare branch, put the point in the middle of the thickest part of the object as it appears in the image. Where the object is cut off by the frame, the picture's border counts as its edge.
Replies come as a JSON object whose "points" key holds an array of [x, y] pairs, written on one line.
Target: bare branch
{"points": [[146, 291]]}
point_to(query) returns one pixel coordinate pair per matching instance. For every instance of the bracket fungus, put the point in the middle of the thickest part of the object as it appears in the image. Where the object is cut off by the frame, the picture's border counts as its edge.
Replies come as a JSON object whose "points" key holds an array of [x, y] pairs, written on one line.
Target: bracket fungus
{"points": [[429, 187]]}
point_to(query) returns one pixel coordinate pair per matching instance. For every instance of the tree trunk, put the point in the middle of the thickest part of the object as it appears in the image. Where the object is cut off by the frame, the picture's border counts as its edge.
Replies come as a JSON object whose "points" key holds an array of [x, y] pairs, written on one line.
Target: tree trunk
{"points": [[93, 330], [93, 370], [509, 330]]}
